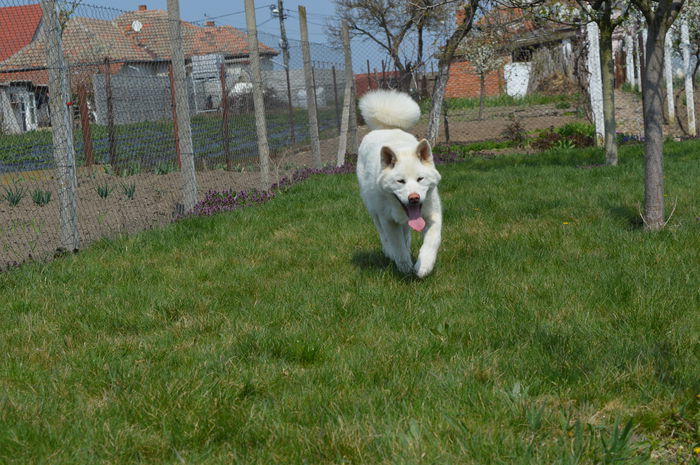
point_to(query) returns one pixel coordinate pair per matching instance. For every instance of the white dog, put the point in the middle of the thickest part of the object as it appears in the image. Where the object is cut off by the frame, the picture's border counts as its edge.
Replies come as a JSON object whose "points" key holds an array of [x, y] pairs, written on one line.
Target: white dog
{"points": [[398, 180]]}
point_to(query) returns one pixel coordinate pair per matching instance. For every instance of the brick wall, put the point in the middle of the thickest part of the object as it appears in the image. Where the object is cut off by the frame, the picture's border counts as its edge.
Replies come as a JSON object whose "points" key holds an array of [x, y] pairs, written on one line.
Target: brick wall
{"points": [[464, 82]]}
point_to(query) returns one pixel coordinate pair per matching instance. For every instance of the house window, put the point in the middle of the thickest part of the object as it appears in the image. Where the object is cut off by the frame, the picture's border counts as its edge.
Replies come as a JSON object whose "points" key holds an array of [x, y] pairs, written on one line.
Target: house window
{"points": [[28, 111], [522, 55]]}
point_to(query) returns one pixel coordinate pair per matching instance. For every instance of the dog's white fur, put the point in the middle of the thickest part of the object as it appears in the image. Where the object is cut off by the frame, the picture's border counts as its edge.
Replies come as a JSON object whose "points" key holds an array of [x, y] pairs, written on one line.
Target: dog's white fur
{"points": [[393, 167]]}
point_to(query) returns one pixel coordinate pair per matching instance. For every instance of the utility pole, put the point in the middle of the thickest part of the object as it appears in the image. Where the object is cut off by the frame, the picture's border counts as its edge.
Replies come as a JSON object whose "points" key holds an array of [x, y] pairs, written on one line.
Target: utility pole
{"points": [[284, 45]]}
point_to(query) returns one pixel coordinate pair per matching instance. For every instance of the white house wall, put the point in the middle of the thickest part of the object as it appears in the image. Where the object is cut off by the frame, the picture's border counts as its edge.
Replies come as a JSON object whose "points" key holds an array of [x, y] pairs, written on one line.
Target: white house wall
{"points": [[517, 77]]}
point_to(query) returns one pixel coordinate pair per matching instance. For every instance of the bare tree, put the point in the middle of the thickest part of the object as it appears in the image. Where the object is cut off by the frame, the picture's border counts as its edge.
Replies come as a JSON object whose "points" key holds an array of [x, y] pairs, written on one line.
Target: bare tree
{"points": [[659, 16], [387, 23]]}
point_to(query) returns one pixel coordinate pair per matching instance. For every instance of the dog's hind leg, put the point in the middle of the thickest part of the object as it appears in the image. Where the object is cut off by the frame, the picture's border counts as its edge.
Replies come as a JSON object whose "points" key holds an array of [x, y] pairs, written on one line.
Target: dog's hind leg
{"points": [[382, 234]]}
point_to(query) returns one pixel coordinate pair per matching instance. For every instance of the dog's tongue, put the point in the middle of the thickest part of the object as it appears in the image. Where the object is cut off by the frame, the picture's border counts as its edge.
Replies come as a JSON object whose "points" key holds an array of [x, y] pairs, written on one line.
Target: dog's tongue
{"points": [[414, 219]]}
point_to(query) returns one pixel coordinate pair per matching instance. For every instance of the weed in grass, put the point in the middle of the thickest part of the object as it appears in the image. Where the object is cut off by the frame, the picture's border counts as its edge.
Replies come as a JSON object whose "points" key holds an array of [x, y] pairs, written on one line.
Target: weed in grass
{"points": [[109, 171], [164, 167], [129, 190], [564, 144], [103, 190], [41, 197], [132, 169], [14, 195]]}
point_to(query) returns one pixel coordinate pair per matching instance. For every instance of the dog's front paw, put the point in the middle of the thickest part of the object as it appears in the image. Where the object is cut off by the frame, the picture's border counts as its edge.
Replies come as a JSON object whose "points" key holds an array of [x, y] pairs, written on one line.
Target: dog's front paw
{"points": [[423, 269], [404, 267]]}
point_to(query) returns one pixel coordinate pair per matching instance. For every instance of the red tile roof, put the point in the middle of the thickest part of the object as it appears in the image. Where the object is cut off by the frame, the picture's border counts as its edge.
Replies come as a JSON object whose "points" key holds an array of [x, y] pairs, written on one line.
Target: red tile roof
{"points": [[18, 26], [87, 42], [226, 40]]}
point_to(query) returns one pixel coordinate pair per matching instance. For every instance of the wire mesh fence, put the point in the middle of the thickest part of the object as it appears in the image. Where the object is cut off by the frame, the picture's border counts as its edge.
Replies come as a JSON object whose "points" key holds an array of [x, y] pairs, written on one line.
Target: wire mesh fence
{"points": [[126, 174], [91, 144]]}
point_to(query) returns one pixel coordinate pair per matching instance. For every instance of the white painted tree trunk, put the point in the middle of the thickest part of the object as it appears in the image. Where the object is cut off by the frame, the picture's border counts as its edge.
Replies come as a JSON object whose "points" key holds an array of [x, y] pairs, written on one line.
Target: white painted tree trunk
{"points": [[668, 76], [638, 64], [629, 59], [689, 94], [595, 85]]}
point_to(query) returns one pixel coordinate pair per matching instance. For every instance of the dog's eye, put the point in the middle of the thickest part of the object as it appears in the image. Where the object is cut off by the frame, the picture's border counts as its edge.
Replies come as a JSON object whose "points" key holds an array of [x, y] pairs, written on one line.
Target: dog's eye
{"points": [[401, 181], [419, 179]]}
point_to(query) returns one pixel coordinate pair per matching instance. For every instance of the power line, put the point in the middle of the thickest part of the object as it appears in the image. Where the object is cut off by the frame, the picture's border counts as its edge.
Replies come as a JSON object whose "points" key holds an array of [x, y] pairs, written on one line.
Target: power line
{"points": [[226, 15]]}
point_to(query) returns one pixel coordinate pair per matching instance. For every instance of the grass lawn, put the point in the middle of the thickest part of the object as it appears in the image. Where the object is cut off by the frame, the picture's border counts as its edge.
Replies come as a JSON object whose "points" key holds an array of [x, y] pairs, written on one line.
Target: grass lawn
{"points": [[279, 334]]}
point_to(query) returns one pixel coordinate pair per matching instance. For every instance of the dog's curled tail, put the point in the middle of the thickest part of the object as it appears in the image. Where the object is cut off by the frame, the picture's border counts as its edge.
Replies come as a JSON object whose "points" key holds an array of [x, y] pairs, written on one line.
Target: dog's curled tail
{"points": [[389, 109]]}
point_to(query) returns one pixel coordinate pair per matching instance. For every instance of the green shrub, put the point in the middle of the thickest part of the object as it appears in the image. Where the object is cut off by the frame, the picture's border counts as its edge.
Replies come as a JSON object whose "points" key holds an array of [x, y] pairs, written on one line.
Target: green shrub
{"points": [[104, 190], [14, 195], [41, 197]]}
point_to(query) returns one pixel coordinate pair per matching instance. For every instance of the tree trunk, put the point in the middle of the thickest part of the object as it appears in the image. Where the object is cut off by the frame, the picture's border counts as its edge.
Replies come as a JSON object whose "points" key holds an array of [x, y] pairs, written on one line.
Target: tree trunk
{"points": [[653, 130], [607, 74], [444, 62], [438, 98], [482, 89]]}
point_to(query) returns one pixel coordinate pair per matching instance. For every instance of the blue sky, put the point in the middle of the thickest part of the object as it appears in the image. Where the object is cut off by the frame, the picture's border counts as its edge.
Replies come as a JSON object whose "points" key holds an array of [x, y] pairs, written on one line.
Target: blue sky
{"points": [[195, 10]]}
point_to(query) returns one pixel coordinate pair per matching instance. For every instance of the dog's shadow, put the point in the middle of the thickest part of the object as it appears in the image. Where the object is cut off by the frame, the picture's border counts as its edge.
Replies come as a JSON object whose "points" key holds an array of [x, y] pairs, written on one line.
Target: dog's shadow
{"points": [[375, 260]]}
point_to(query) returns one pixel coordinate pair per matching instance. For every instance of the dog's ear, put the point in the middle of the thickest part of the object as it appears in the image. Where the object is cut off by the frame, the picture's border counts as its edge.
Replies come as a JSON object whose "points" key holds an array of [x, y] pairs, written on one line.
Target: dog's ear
{"points": [[388, 157], [424, 152]]}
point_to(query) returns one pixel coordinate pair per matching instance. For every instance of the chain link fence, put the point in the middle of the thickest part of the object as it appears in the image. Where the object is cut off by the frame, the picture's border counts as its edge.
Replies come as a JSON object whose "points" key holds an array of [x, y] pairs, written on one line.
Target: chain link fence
{"points": [[90, 140], [121, 124]]}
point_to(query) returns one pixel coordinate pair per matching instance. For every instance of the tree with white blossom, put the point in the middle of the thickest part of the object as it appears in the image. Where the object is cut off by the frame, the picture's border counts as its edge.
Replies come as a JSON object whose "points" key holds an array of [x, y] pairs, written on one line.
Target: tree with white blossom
{"points": [[484, 52]]}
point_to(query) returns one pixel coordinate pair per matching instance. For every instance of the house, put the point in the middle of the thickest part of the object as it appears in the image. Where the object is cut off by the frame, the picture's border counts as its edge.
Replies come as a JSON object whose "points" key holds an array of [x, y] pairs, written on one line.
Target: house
{"points": [[19, 26], [134, 49], [519, 38]]}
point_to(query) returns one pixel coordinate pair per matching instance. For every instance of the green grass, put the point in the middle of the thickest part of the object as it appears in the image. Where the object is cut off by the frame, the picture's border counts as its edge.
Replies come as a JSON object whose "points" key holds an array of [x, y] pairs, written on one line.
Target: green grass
{"points": [[501, 100], [279, 334]]}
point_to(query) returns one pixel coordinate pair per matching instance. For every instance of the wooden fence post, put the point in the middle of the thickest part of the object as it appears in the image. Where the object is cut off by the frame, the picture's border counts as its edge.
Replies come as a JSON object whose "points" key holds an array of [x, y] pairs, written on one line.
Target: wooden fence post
{"points": [[350, 80], [369, 77], [224, 118], [258, 100], [335, 96], [182, 109], [111, 134], [61, 127], [85, 125], [173, 106], [310, 90]]}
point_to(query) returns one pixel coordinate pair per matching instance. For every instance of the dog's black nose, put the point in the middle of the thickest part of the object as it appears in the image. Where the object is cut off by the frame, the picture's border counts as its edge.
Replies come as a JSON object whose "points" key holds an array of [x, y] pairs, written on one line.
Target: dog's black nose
{"points": [[413, 198]]}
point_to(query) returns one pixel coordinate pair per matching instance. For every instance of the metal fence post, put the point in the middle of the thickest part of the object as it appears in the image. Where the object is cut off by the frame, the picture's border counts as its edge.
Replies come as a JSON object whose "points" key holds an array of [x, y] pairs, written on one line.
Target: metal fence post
{"points": [[310, 90], [284, 43], [258, 100], [62, 127], [189, 185]]}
